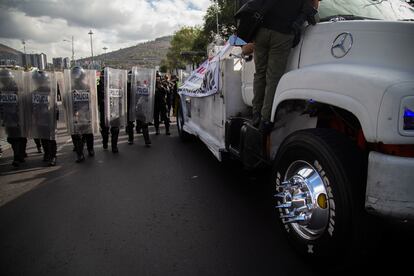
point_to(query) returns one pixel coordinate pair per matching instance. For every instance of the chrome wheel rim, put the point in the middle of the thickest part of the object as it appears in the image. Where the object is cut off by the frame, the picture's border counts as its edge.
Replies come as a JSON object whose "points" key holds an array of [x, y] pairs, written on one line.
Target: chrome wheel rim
{"points": [[303, 200]]}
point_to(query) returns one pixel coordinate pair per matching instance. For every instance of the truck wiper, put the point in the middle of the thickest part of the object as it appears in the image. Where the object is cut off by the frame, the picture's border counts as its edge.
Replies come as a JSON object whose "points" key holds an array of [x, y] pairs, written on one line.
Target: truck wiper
{"points": [[409, 19], [345, 17]]}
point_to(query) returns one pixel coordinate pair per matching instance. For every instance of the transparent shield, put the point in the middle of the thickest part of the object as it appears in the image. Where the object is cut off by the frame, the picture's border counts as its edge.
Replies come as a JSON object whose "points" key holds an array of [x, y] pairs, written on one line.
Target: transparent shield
{"points": [[142, 94], [12, 104], [115, 98], [42, 87], [80, 101]]}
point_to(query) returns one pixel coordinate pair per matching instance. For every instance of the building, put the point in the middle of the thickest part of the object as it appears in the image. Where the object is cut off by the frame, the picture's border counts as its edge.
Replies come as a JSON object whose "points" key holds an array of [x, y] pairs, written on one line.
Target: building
{"points": [[10, 56], [58, 63], [66, 63], [43, 61], [35, 60]]}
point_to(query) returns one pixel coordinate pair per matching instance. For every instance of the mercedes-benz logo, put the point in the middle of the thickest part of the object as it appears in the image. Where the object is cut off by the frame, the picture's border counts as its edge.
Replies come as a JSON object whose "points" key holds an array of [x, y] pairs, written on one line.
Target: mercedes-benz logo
{"points": [[342, 45]]}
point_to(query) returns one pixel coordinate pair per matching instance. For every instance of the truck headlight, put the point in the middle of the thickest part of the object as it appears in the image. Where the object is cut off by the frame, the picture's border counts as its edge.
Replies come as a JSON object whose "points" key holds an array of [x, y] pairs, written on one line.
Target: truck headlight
{"points": [[408, 119], [407, 116]]}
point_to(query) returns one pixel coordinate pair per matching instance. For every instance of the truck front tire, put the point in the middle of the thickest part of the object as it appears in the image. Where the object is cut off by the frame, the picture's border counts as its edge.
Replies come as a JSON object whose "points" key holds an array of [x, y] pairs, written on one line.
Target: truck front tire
{"points": [[318, 177]]}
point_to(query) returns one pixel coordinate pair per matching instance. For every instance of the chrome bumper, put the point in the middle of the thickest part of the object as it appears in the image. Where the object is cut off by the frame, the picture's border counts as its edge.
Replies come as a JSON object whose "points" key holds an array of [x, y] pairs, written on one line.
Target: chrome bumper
{"points": [[390, 186]]}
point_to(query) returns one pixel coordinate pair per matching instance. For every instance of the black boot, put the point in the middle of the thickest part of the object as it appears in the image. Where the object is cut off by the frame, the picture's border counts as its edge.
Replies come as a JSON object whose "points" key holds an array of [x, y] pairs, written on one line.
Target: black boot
{"points": [[80, 158], [105, 137], [167, 127], [265, 126], [38, 145], [105, 142], [78, 142], [46, 150], [52, 162], [256, 119], [146, 136], [114, 139], [16, 146], [90, 144], [130, 132], [22, 149]]}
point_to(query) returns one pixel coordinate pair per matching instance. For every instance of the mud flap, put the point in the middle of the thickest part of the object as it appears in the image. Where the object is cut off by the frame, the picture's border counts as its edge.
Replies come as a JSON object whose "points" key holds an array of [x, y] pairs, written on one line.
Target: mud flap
{"points": [[253, 151]]}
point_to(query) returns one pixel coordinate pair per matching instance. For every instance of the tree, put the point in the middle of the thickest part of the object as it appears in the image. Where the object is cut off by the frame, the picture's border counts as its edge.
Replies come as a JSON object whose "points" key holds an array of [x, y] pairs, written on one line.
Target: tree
{"points": [[183, 41], [193, 41], [226, 24]]}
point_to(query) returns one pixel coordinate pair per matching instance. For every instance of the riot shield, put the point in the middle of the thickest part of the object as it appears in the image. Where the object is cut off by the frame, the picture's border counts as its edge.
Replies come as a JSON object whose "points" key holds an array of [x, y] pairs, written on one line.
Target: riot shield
{"points": [[115, 98], [42, 87], [12, 104], [80, 101], [142, 94]]}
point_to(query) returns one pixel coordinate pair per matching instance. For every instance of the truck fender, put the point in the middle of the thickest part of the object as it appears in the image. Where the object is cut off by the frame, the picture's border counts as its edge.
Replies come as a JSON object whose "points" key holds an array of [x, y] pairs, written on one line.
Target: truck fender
{"points": [[355, 88]]}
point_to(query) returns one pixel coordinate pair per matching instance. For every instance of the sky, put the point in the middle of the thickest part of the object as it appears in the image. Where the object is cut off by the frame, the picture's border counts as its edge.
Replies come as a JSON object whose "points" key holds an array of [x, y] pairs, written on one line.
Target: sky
{"points": [[45, 24]]}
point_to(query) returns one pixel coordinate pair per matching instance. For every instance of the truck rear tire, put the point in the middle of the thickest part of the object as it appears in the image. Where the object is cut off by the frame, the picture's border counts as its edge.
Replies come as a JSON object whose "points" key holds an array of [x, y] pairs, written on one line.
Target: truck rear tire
{"points": [[184, 136], [318, 176]]}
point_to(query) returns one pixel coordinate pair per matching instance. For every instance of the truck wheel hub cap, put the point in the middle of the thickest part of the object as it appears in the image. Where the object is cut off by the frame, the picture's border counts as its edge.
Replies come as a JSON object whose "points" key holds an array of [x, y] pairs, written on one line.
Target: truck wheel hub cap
{"points": [[302, 200]]}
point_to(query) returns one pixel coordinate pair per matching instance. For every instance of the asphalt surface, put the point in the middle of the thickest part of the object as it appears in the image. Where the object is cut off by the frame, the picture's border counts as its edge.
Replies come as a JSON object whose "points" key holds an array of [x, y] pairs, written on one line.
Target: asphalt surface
{"points": [[171, 209]]}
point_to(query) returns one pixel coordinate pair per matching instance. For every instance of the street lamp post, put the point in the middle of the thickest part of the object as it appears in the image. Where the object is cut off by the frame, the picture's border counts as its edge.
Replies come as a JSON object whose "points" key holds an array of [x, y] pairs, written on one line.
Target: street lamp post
{"points": [[104, 48], [73, 50], [24, 61], [91, 33], [24, 46]]}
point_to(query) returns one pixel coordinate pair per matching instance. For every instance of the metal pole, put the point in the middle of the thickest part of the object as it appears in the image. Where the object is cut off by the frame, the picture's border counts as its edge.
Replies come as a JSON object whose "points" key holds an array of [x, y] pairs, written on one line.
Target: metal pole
{"points": [[91, 33], [73, 51], [104, 48], [24, 46], [24, 61]]}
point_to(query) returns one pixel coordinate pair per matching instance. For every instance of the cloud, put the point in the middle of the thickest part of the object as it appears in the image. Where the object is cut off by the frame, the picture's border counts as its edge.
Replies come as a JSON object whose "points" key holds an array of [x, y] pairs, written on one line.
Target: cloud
{"points": [[44, 24]]}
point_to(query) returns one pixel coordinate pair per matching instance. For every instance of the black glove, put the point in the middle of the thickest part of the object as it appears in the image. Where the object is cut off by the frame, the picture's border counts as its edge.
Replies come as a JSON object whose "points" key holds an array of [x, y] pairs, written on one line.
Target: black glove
{"points": [[309, 13], [297, 30]]}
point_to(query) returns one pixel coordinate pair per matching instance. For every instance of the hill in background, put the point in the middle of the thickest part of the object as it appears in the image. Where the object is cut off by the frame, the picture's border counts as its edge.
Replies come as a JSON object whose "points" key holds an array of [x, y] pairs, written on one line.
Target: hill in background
{"points": [[148, 55]]}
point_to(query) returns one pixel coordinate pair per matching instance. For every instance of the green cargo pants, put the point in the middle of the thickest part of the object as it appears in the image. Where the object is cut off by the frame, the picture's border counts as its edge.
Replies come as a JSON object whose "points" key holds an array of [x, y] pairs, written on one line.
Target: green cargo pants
{"points": [[270, 57]]}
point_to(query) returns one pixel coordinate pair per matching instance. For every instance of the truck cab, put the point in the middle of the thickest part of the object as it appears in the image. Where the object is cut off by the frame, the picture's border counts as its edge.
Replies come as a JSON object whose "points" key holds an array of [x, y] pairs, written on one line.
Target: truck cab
{"points": [[343, 137]]}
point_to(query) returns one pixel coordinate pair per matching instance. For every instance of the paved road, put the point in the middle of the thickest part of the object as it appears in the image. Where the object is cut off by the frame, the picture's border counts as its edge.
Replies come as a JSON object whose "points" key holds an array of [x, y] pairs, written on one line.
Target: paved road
{"points": [[171, 209]]}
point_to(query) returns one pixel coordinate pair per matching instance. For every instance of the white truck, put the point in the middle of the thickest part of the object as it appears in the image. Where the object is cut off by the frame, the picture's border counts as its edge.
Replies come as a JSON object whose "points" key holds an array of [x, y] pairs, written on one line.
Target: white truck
{"points": [[343, 136]]}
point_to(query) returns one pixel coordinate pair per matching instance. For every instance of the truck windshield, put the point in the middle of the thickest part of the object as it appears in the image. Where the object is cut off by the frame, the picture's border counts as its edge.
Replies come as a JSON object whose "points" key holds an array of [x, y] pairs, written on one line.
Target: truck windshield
{"points": [[366, 9]]}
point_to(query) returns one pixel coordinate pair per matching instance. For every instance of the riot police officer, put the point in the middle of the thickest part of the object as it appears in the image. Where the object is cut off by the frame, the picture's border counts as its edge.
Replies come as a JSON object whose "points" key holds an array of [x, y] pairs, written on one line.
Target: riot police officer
{"points": [[80, 106], [130, 125], [160, 108], [44, 112], [112, 105], [140, 102], [12, 113]]}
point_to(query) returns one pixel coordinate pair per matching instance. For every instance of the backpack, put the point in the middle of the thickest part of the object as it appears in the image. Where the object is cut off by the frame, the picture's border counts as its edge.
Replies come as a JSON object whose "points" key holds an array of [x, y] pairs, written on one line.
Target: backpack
{"points": [[250, 16]]}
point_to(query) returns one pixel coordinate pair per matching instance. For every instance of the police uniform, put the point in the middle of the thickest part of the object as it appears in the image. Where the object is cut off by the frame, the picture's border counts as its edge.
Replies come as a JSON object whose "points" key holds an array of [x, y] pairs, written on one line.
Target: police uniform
{"points": [[83, 133], [104, 129], [160, 108], [143, 126], [11, 112], [44, 97]]}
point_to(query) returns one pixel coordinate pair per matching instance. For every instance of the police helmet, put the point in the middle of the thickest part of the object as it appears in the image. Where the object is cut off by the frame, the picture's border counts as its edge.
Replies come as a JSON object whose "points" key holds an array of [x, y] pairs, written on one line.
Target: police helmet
{"points": [[4, 73], [6, 77], [77, 72], [40, 77]]}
